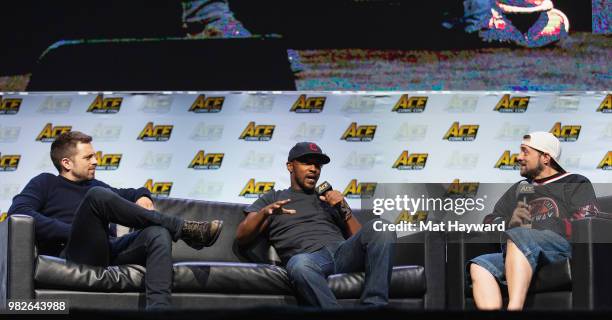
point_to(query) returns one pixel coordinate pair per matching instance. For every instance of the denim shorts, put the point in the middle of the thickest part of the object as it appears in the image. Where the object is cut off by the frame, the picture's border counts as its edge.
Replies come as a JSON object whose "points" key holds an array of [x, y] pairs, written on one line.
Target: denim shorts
{"points": [[540, 247]]}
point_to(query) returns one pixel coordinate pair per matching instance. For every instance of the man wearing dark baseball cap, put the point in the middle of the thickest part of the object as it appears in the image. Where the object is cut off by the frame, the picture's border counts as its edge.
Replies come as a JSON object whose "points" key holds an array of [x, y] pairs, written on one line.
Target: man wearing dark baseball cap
{"points": [[315, 234], [307, 148], [538, 212]]}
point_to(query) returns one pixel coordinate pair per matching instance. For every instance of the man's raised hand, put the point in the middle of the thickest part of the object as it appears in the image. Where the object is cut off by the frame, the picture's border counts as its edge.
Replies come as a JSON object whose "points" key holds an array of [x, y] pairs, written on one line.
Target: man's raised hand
{"points": [[277, 208]]}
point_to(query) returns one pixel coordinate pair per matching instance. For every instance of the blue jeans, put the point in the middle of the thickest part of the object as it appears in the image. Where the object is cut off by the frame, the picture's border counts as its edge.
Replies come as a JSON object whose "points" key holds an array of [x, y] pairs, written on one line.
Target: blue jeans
{"points": [[367, 250], [539, 247]]}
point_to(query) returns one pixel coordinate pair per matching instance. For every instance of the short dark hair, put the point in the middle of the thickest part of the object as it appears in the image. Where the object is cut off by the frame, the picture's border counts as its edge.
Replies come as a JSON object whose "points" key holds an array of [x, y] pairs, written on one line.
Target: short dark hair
{"points": [[64, 146]]}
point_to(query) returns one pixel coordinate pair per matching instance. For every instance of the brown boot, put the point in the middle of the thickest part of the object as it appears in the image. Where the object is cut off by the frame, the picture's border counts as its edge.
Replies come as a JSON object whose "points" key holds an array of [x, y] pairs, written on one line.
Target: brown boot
{"points": [[200, 234]]}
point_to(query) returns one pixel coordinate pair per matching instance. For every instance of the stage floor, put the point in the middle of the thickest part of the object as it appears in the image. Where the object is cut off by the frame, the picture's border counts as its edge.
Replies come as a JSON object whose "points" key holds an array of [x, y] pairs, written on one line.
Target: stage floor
{"points": [[296, 313]]}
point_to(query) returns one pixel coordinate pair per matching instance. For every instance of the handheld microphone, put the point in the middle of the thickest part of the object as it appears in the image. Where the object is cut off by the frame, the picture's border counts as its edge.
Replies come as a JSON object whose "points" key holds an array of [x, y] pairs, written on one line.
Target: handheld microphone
{"points": [[342, 206], [524, 190]]}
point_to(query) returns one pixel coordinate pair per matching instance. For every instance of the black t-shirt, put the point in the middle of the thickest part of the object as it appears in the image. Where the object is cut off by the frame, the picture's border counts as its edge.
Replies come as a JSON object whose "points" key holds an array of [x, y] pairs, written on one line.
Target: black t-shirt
{"points": [[314, 225], [555, 202]]}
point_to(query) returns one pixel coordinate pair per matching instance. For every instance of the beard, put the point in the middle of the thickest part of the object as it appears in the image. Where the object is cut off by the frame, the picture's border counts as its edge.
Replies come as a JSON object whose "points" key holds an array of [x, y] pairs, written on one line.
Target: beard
{"points": [[304, 187], [532, 173], [85, 176]]}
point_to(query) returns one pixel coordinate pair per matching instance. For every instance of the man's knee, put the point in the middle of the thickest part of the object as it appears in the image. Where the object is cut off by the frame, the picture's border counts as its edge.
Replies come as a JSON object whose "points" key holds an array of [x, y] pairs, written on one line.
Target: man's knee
{"points": [[385, 236], [156, 235], [475, 271], [98, 194], [512, 246], [300, 266], [510, 243], [478, 273]]}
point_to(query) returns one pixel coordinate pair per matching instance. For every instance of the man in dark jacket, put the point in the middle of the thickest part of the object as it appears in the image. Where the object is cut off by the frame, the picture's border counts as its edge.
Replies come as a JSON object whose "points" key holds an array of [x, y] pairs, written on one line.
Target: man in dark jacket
{"points": [[72, 212]]}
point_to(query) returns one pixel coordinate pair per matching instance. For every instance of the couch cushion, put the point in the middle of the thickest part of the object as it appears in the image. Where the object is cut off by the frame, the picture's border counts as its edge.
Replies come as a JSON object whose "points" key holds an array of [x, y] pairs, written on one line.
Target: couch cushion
{"points": [[406, 282], [251, 278], [212, 277], [57, 273], [228, 277], [552, 277]]}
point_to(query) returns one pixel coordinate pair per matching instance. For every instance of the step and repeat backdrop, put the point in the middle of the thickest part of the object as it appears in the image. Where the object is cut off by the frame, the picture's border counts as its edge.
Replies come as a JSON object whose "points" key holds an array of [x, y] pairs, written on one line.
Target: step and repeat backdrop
{"points": [[232, 147]]}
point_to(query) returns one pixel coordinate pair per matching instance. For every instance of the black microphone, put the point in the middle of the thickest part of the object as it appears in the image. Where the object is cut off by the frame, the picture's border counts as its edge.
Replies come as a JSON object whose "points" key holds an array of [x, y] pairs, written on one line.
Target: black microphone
{"points": [[342, 206], [524, 190]]}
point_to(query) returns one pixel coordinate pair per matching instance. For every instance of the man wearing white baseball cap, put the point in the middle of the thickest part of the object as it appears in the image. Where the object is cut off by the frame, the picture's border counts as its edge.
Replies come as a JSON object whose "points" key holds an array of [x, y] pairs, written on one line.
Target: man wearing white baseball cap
{"points": [[547, 144], [538, 212]]}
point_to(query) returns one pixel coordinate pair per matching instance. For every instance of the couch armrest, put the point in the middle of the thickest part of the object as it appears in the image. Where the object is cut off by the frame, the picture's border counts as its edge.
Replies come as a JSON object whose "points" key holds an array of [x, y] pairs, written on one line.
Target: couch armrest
{"points": [[427, 249], [460, 248], [3, 262], [20, 257], [591, 261]]}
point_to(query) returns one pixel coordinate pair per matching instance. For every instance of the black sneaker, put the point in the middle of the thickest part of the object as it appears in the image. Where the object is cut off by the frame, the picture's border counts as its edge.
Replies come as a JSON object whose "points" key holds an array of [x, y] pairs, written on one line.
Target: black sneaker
{"points": [[200, 234]]}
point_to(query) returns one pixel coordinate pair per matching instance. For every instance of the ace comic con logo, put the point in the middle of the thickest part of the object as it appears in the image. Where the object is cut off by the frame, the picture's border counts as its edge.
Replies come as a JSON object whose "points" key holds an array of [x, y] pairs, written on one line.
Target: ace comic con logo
{"points": [[604, 107], [606, 162], [153, 132], [509, 104], [159, 189], [410, 161], [55, 105], [466, 132], [103, 105], [206, 161], [359, 133], [10, 105], [254, 189], [50, 132], [9, 162], [305, 104], [458, 189], [253, 132], [204, 104], [507, 161], [566, 133], [359, 190], [109, 161], [407, 104]]}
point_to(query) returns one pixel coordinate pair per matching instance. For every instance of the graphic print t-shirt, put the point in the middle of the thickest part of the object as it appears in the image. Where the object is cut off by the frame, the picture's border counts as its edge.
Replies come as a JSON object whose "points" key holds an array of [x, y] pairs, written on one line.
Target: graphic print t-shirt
{"points": [[554, 203]]}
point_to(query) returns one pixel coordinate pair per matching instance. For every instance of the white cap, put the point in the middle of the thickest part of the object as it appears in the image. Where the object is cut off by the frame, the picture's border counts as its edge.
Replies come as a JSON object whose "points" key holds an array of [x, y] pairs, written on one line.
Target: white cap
{"points": [[545, 142], [524, 6]]}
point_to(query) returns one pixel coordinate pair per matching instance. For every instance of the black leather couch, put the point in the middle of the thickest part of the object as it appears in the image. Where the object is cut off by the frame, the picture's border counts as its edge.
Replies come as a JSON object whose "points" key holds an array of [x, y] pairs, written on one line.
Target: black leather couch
{"points": [[580, 283], [222, 276]]}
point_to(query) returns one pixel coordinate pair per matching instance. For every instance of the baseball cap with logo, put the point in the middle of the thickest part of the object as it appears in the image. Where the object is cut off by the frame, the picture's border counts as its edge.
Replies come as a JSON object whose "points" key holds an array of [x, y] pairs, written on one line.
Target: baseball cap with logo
{"points": [[545, 142], [307, 148]]}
